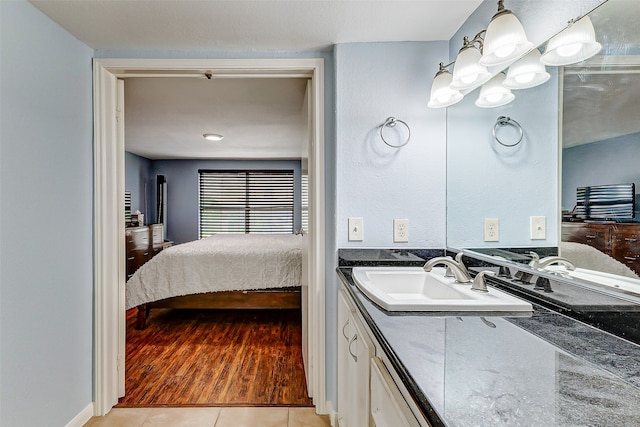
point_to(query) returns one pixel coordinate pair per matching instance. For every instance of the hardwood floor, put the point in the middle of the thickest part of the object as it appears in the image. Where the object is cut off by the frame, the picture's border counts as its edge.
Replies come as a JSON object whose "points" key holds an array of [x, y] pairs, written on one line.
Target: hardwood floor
{"points": [[215, 358]]}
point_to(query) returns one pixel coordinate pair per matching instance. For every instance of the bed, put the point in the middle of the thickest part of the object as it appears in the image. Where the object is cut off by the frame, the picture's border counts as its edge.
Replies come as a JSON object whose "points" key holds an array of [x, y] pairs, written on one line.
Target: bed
{"points": [[221, 271]]}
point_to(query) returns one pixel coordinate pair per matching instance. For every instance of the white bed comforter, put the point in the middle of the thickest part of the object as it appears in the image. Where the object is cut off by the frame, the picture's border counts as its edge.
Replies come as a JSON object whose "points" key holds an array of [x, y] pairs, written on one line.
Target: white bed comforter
{"points": [[218, 263]]}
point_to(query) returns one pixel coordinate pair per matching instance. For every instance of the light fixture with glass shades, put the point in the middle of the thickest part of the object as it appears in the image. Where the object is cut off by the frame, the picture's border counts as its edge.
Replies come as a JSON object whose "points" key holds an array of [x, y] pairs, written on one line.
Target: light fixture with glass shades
{"points": [[213, 137], [468, 72], [505, 39], [442, 94], [494, 94], [574, 44], [527, 72]]}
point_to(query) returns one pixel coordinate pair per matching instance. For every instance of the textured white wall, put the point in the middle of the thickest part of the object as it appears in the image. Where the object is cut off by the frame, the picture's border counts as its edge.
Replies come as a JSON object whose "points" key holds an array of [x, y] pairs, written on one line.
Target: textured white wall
{"points": [[375, 182]]}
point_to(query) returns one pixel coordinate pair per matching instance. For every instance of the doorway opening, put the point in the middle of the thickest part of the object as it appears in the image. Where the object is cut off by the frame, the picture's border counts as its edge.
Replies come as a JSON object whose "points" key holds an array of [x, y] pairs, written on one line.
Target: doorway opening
{"points": [[109, 211]]}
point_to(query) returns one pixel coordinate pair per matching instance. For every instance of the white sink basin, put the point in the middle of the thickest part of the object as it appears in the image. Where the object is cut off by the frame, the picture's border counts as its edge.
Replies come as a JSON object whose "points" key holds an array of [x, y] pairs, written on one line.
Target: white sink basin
{"points": [[413, 289]]}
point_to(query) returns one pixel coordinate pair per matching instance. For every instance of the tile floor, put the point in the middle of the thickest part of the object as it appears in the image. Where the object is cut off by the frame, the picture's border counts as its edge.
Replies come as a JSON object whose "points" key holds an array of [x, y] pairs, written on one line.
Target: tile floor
{"points": [[211, 417]]}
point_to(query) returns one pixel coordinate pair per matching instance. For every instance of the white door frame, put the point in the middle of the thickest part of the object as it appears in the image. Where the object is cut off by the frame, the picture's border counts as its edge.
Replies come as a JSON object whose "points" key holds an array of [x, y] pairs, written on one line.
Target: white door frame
{"points": [[109, 207]]}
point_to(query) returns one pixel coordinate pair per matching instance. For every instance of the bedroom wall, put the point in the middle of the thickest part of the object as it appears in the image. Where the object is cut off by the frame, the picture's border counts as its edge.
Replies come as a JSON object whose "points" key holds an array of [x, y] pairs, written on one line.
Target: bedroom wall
{"points": [[183, 191], [137, 180], [612, 161], [46, 202]]}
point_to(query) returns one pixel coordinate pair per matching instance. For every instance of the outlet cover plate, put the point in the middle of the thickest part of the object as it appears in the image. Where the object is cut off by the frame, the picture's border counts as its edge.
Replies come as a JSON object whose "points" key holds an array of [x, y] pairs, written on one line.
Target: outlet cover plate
{"points": [[491, 229], [400, 230]]}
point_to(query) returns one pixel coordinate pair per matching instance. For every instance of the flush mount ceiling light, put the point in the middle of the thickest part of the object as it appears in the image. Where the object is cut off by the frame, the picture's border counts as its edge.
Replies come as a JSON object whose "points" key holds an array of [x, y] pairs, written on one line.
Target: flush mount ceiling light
{"points": [[574, 44], [505, 39], [213, 136], [442, 95], [494, 94], [467, 71], [527, 72]]}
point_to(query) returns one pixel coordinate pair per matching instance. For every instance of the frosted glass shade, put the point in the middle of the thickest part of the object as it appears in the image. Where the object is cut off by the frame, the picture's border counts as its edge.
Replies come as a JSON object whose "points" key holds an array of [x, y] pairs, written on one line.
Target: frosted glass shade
{"points": [[441, 94], [526, 72], [494, 94], [574, 44], [505, 40], [467, 71]]}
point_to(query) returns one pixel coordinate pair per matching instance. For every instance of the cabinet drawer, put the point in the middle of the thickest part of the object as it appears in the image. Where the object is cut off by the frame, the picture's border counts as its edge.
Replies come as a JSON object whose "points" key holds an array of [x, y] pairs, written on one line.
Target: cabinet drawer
{"points": [[593, 235]]}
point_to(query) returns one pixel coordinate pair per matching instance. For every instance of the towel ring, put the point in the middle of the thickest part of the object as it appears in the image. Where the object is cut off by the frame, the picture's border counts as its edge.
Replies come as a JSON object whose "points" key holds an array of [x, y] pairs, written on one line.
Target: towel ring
{"points": [[507, 121], [391, 122]]}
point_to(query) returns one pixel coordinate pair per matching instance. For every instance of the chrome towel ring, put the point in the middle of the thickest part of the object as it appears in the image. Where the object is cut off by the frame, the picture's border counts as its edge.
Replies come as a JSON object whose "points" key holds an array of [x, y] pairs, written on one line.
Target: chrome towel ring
{"points": [[507, 121], [391, 122]]}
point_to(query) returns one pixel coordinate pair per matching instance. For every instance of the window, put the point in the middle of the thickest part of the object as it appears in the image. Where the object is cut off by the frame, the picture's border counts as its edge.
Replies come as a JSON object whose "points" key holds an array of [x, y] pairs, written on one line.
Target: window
{"points": [[305, 201], [246, 202]]}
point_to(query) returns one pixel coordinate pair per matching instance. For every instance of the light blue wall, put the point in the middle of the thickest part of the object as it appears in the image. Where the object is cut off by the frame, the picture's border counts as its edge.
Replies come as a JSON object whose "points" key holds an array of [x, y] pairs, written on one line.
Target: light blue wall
{"points": [[183, 190], [46, 200], [138, 180], [486, 180], [613, 161], [373, 82]]}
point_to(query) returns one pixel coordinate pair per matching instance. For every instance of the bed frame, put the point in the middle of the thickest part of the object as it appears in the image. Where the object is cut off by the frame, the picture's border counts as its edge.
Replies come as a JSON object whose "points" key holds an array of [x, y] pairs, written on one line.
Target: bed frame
{"points": [[289, 298]]}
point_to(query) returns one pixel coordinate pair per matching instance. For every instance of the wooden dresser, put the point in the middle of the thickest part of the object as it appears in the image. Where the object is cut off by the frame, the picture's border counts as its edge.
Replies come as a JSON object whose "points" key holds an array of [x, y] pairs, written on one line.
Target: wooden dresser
{"points": [[142, 244], [618, 240]]}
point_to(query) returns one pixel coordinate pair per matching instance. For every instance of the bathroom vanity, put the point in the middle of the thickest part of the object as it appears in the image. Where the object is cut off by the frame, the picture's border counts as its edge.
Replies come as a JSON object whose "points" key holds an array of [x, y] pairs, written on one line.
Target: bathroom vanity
{"points": [[466, 369]]}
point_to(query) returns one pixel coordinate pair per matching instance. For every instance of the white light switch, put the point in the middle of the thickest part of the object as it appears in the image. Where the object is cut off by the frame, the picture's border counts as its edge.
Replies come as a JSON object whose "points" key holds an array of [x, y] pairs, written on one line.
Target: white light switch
{"points": [[356, 230], [538, 227]]}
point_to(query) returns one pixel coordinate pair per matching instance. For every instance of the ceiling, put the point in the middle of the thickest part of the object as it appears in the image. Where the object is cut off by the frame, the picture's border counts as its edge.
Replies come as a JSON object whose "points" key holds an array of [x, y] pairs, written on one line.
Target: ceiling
{"points": [[598, 103], [259, 118]]}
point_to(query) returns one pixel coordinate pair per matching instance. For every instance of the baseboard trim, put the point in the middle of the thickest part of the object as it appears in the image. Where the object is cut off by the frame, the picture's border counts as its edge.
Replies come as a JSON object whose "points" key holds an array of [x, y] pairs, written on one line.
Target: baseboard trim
{"points": [[82, 418]]}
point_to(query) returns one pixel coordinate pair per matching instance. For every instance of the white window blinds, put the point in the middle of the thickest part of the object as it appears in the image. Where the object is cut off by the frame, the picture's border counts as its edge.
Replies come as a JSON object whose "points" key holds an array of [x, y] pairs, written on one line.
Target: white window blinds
{"points": [[246, 202]]}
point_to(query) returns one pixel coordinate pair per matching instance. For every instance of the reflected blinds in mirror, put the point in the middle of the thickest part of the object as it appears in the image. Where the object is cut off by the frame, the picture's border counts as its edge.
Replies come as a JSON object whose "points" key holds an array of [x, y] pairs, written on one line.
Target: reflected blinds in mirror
{"points": [[606, 202]]}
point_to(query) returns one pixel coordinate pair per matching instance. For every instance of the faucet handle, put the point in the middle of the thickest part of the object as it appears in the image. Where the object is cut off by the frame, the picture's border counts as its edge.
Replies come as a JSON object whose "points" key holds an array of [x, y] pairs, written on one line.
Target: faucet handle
{"points": [[479, 282]]}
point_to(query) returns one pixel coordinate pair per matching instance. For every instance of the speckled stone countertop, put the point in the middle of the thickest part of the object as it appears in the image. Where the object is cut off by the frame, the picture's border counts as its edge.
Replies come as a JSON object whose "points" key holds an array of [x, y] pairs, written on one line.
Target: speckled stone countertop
{"points": [[542, 370]]}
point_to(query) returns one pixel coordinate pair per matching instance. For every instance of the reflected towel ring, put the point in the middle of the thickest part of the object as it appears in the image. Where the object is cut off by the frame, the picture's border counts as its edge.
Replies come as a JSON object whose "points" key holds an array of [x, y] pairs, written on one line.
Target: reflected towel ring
{"points": [[507, 121], [391, 122]]}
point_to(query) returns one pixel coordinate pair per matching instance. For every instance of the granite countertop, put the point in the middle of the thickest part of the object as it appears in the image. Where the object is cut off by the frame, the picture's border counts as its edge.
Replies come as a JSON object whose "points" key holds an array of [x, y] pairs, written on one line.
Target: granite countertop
{"points": [[542, 370]]}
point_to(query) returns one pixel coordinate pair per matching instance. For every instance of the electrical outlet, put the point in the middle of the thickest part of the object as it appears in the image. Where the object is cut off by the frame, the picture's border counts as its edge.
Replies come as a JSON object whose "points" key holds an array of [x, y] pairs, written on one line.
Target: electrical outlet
{"points": [[400, 230], [356, 230], [491, 230], [538, 227]]}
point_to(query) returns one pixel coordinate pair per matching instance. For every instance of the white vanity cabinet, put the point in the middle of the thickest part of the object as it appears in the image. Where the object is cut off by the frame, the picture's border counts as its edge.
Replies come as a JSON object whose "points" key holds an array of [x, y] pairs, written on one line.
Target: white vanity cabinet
{"points": [[367, 393], [355, 350]]}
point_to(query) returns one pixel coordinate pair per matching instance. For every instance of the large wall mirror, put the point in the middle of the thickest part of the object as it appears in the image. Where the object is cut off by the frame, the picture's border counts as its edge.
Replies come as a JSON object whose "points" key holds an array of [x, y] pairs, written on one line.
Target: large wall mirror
{"points": [[581, 131]]}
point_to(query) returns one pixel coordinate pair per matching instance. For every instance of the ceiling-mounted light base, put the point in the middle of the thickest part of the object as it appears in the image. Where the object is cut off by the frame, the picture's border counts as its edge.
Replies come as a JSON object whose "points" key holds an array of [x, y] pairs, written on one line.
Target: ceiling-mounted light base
{"points": [[213, 137]]}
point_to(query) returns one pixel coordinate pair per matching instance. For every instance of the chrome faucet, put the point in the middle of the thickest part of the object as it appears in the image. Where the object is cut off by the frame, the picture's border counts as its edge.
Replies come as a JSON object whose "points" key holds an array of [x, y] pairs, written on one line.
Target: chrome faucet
{"points": [[460, 273], [458, 259], [535, 259], [555, 260]]}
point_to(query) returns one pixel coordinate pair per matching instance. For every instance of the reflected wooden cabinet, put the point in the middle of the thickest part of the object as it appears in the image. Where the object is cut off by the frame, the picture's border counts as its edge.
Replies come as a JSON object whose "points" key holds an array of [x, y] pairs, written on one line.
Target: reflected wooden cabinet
{"points": [[142, 244], [620, 241]]}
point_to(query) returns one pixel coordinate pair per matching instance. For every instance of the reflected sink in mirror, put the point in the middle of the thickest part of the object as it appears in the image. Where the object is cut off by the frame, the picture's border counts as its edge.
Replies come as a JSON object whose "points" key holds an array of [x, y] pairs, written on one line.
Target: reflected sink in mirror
{"points": [[413, 289], [628, 285]]}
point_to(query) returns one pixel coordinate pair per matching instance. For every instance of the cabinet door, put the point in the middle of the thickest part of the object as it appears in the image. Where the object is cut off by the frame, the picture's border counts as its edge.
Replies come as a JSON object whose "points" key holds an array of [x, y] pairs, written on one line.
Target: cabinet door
{"points": [[344, 334], [360, 352], [388, 408]]}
